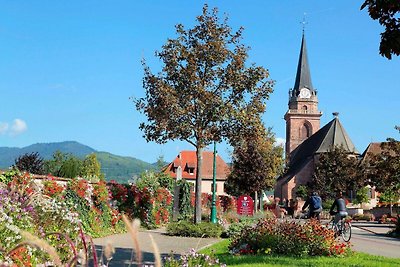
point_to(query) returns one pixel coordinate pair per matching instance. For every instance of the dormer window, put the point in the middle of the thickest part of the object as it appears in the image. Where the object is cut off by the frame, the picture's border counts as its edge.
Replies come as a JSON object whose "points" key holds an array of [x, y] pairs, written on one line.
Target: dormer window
{"points": [[190, 167], [174, 167]]}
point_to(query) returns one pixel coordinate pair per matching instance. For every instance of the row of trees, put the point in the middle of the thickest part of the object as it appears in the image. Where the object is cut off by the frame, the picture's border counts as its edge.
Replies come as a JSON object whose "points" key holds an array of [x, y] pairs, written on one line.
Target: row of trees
{"points": [[61, 165]]}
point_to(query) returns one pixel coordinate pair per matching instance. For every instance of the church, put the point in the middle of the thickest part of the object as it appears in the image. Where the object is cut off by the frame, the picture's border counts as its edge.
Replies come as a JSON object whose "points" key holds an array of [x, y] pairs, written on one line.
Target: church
{"points": [[305, 140]]}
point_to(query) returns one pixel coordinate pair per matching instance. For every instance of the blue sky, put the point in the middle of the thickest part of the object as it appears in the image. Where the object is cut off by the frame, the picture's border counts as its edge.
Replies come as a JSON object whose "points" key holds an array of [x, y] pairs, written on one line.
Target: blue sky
{"points": [[68, 68]]}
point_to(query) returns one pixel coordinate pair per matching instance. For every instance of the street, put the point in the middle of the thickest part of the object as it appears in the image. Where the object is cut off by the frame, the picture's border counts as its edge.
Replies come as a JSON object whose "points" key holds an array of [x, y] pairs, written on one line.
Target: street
{"points": [[368, 242]]}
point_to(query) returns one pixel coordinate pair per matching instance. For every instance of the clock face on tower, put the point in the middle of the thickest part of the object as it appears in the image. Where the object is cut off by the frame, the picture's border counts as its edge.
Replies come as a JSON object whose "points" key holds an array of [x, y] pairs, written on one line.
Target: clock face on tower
{"points": [[305, 93]]}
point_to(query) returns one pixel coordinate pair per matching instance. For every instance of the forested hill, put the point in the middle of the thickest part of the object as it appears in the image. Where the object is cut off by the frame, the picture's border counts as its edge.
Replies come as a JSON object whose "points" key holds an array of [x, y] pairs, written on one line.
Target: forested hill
{"points": [[113, 166]]}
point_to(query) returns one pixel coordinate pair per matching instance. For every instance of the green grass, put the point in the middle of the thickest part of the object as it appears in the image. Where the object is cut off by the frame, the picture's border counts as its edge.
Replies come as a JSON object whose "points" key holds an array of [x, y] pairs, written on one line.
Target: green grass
{"points": [[220, 250]]}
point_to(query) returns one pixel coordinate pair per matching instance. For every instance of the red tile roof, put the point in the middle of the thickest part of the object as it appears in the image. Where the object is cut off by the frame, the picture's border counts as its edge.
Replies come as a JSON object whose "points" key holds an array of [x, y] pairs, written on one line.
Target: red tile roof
{"points": [[187, 159]]}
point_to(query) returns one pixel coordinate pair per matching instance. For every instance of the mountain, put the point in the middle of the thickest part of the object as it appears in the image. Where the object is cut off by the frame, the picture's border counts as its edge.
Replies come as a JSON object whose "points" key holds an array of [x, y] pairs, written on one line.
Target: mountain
{"points": [[121, 168], [115, 167]]}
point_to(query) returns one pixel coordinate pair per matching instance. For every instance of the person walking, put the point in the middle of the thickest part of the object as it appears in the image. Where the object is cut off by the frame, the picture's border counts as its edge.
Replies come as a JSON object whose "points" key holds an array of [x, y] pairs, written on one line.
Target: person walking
{"points": [[340, 205], [314, 203]]}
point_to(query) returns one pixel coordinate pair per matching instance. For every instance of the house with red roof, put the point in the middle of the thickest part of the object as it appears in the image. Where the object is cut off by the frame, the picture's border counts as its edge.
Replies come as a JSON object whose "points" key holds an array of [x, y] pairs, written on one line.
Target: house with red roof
{"points": [[185, 164]]}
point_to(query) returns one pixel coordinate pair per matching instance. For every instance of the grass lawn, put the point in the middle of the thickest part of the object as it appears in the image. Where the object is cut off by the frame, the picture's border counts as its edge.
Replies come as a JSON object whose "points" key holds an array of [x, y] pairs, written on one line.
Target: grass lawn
{"points": [[220, 250]]}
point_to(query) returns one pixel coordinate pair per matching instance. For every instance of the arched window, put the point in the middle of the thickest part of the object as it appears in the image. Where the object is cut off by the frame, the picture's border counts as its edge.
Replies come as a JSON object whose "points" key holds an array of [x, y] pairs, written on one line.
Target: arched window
{"points": [[305, 131], [304, 108]]}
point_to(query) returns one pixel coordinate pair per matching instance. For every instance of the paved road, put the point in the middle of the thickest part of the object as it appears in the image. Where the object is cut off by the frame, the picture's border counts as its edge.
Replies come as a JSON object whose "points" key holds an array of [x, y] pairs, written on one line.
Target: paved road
{"points": [[166, 245], [369, 238]]}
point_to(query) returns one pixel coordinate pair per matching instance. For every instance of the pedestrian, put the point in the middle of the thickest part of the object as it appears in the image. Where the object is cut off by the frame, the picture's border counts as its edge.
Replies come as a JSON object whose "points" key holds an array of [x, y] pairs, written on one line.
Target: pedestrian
{"points": [[314, 204]]}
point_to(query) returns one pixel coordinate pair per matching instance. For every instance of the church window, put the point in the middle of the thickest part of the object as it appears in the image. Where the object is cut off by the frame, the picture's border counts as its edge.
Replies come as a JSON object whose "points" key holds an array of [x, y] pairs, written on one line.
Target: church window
{"points": [[305, 131], [304, 108]]}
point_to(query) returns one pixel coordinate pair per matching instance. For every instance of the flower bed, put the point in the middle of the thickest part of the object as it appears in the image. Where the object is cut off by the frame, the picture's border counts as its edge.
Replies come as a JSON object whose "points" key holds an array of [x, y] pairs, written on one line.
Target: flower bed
{"points": [[51, 217], [270, 236]]}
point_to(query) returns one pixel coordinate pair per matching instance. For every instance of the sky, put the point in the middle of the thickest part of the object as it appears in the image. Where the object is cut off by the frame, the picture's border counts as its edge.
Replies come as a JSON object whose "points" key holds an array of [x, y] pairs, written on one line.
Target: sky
{"points": [[69, 69]]}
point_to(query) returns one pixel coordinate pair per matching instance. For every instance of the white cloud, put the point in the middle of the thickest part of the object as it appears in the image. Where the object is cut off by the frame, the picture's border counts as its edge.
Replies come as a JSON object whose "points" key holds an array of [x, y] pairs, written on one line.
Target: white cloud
{"points": [[280, 141], [3, 127], [18, 126]]}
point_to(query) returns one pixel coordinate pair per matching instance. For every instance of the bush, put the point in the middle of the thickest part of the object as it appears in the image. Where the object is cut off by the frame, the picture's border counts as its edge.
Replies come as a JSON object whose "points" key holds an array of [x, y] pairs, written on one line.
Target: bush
{"points": [[236, 228], [189, 229], [364, 217], [270, 236], [327, 204]]}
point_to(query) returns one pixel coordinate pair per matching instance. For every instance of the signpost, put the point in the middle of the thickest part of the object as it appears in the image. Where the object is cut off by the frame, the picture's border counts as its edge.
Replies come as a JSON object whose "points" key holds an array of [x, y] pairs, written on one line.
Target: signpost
{"points": [[245, 205]]}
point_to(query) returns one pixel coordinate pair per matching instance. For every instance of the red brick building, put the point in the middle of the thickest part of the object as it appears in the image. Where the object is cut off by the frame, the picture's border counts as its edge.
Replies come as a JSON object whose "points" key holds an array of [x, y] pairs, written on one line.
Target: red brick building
{"points": [[185, 164], [305, 141]]}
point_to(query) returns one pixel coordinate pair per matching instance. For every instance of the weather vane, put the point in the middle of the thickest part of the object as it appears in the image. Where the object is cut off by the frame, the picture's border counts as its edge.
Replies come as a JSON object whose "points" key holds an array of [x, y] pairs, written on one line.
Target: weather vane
{"points": [[304, 22]]}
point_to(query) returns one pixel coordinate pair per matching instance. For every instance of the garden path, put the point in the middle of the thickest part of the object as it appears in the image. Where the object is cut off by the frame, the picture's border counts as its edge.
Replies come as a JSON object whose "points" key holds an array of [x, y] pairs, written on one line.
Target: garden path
{"points": [[166, 244]]}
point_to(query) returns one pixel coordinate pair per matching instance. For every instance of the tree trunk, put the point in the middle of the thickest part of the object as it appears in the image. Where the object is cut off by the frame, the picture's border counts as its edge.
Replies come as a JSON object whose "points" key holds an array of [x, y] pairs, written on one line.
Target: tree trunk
{"points": [[197, 205]]}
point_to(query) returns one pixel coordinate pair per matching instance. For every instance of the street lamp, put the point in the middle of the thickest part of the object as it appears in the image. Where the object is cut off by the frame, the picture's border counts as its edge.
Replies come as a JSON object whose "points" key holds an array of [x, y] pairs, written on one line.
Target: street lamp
{"points": [[213, 204]]}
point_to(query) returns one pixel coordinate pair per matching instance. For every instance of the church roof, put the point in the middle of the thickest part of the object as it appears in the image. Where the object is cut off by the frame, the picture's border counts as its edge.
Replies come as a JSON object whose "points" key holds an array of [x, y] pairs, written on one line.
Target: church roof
{"points": [[331, 135], [303, 75]]}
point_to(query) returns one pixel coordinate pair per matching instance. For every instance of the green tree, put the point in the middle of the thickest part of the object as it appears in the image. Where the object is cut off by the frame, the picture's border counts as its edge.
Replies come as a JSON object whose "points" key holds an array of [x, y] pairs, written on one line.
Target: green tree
{"points": [[387, 12], [337, 170], [30, 162], [205, 92], [71, 167], [361, 196], [91, 168], [53, 165], [63, 165], [256, 164]]}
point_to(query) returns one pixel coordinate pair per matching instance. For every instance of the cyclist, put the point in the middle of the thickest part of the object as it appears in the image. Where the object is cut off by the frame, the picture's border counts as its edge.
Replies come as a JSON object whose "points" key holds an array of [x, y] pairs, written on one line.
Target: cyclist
{"points": [[314, 202], [341, 210]]}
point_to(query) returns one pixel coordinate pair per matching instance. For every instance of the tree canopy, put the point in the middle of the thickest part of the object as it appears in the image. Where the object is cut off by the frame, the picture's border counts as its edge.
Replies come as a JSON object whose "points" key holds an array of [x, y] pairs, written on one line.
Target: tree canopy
{"points": [[205, 91], [256, 164], [387, 12], [337, 170]]}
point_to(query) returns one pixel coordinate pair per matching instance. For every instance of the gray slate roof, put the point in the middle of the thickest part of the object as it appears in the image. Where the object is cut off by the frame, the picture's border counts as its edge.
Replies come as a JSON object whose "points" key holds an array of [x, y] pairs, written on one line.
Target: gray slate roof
{"points": [[303, 75], [331, 135]]}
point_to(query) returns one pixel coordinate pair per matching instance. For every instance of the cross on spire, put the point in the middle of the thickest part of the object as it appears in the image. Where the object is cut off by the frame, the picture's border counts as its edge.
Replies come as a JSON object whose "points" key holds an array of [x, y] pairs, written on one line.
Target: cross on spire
{"points": [[304, 22]]}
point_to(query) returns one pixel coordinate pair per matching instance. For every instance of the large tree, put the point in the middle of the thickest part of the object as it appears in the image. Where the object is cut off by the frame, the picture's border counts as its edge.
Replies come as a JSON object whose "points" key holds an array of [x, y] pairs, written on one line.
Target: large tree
{"points": [[387, 12], [256, 164], [205, 91], [64, 165], [337, 170]]}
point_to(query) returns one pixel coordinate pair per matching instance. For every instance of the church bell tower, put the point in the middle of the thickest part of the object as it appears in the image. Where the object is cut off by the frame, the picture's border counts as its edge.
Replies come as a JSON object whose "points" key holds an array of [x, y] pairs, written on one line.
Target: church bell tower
{"points": [[303, 117]]}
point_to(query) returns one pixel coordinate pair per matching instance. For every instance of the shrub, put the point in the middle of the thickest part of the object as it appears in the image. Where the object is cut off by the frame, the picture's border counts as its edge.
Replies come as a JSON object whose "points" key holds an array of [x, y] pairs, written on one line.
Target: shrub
{"points": [[366, 216], [387, 219], [270, 236], [236, 228], [189, 229]]}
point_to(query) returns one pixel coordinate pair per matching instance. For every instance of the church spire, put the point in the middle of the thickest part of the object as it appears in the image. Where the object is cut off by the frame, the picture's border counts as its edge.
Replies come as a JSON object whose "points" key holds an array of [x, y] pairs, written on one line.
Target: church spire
{"points": [[303, 76]]}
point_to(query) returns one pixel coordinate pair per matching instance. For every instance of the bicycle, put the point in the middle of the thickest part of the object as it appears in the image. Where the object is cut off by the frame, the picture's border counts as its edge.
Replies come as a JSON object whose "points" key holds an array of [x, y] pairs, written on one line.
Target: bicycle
{"points": [[342, 228]]}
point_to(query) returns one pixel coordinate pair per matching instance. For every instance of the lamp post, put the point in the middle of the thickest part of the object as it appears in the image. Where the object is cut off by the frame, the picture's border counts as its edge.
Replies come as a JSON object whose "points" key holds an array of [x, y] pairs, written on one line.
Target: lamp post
{"points": [[213, 204]]}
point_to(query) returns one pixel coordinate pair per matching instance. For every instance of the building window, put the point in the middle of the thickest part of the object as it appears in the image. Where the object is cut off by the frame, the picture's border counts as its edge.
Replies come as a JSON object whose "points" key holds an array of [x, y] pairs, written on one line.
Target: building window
{"points": [[304, 108], [305, 131], [191, 171]]}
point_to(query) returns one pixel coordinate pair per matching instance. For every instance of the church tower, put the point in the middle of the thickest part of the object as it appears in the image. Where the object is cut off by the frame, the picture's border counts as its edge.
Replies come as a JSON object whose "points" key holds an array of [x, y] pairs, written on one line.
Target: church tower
{"points": [[303, 117]]}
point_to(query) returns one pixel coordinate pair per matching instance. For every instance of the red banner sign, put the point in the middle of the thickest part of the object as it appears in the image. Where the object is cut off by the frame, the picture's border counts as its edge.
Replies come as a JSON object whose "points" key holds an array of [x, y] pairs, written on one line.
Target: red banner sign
{"points": [[245, 205]]}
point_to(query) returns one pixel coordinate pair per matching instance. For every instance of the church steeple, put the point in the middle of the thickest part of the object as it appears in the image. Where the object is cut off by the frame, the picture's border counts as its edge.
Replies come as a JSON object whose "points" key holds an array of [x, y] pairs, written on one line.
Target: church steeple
{"points": [[303, 75], [303, 116]]}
